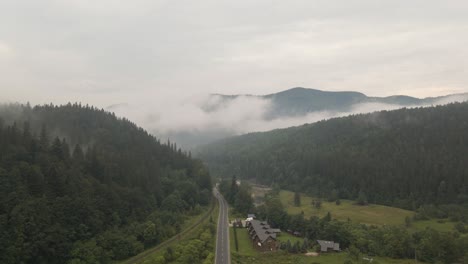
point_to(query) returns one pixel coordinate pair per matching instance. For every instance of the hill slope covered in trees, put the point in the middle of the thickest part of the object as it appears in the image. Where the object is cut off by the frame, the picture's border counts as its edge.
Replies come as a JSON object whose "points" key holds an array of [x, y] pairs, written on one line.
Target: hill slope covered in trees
{"points": [[404, 158], [80, 185]]}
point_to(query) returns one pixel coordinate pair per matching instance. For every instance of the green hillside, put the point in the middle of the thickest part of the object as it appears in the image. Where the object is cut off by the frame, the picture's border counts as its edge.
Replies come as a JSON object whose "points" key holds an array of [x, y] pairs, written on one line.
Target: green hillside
{"points": [[403, 158], [79, 185]]}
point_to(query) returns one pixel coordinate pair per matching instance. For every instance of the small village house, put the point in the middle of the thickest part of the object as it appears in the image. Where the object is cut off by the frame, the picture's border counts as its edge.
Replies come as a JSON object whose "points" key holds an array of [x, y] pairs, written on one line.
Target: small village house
{"points": [[328, 246], [262, 235]]}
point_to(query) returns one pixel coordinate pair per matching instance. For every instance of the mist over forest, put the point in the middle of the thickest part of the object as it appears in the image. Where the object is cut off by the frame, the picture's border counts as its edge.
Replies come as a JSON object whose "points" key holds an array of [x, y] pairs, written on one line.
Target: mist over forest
{"points": [[201, 119]]}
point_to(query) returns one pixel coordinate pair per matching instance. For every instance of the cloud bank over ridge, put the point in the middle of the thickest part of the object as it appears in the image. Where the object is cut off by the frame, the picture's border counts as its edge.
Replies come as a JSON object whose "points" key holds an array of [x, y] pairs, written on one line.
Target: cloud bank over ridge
{"points": [[199, 119]]}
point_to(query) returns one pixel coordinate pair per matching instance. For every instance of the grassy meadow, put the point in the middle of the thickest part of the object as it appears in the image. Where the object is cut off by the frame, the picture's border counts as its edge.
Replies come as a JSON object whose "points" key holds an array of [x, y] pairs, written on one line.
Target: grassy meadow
{"points": [[441, 225], [369, 214]]}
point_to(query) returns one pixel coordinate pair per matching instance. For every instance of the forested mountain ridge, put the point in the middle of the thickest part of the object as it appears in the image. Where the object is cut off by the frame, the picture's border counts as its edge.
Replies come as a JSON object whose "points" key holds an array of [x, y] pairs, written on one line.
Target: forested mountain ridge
{"points": [[80, 185], [301, 101], [404, 158]]}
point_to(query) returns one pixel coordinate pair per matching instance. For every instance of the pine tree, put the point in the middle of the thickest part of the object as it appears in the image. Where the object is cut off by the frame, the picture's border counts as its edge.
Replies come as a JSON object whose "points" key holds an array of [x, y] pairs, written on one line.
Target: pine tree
{"points": [[44, 138], [297, 199], [327, 217], [78, 155], [362, 198]]}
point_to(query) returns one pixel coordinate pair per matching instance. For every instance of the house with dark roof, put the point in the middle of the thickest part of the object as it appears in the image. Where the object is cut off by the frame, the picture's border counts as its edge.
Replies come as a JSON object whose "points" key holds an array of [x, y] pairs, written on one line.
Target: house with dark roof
{"points": [[262, 235], [328, 246]]}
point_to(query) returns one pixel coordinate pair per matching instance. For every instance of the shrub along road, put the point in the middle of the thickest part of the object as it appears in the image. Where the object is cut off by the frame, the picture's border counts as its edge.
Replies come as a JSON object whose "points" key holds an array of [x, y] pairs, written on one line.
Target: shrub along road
{"points": [[142, 256]]}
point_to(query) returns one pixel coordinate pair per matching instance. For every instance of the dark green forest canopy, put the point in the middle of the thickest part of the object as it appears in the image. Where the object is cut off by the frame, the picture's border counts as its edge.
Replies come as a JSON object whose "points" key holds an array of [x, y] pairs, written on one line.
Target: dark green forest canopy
{"points": [[80, 185], [405, 157]]}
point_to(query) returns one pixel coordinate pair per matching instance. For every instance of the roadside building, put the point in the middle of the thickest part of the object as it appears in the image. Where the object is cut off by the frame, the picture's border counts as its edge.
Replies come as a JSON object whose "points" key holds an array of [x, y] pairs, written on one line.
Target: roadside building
{"points": [[262, 235]]}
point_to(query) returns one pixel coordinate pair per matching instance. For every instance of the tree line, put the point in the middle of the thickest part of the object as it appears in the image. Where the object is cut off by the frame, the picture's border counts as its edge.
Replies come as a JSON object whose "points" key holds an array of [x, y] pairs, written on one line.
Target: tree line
{"points": [[238, 195]]}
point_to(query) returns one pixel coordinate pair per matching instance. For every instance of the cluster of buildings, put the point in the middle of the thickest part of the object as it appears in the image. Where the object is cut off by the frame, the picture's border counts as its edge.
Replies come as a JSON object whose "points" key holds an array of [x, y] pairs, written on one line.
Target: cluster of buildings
{"points": [[264, 237]]}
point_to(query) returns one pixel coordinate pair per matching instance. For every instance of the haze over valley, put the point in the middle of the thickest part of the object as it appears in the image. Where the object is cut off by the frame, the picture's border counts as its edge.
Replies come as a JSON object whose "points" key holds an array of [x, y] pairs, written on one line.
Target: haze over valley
{"points": [[198, 120], [233, 132]]}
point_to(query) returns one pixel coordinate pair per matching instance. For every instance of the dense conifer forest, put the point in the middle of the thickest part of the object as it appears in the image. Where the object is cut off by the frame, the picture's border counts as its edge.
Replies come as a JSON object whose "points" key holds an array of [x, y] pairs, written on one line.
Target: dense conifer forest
{"points": [[79, 185], [404, 158]]}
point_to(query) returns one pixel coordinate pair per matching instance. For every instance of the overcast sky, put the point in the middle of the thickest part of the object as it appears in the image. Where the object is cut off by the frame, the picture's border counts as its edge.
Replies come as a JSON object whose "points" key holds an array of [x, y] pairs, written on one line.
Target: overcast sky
{"points": [[105, 52]]}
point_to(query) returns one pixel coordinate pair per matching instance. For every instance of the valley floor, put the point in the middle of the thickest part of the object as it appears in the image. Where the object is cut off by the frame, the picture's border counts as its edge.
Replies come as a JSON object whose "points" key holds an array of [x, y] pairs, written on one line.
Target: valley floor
{"points": [[246, 254], [372, 214]]}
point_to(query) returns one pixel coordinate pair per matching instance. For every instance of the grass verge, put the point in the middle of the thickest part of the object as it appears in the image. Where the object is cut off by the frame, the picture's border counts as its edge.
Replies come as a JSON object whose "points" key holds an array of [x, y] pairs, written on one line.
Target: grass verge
{"points": [[245, 245]]}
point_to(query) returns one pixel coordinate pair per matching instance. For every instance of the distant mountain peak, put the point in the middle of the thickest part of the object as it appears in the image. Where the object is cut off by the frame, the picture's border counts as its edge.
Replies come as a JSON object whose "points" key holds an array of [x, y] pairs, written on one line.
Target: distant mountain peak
{"points": [[299, 101], [313, 91]]}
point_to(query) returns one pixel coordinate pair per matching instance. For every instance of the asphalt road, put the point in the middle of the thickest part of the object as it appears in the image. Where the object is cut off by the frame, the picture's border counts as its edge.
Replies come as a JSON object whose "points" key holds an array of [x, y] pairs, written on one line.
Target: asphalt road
{"points": [[222, 239]]}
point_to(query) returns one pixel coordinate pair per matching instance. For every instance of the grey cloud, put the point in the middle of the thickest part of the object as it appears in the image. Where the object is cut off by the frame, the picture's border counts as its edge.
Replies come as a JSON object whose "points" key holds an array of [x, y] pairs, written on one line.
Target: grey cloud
{"points": [[235, 47]]}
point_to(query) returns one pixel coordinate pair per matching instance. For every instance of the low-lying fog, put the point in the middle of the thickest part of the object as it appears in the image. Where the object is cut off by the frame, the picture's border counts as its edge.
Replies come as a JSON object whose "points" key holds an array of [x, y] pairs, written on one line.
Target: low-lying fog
{"points": [[199, 119]]}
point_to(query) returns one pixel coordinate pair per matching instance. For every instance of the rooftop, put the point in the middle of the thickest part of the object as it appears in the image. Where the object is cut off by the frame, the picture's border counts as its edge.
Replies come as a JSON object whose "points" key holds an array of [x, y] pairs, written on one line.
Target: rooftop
{"points": [[325, 245], [263, 230]]}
